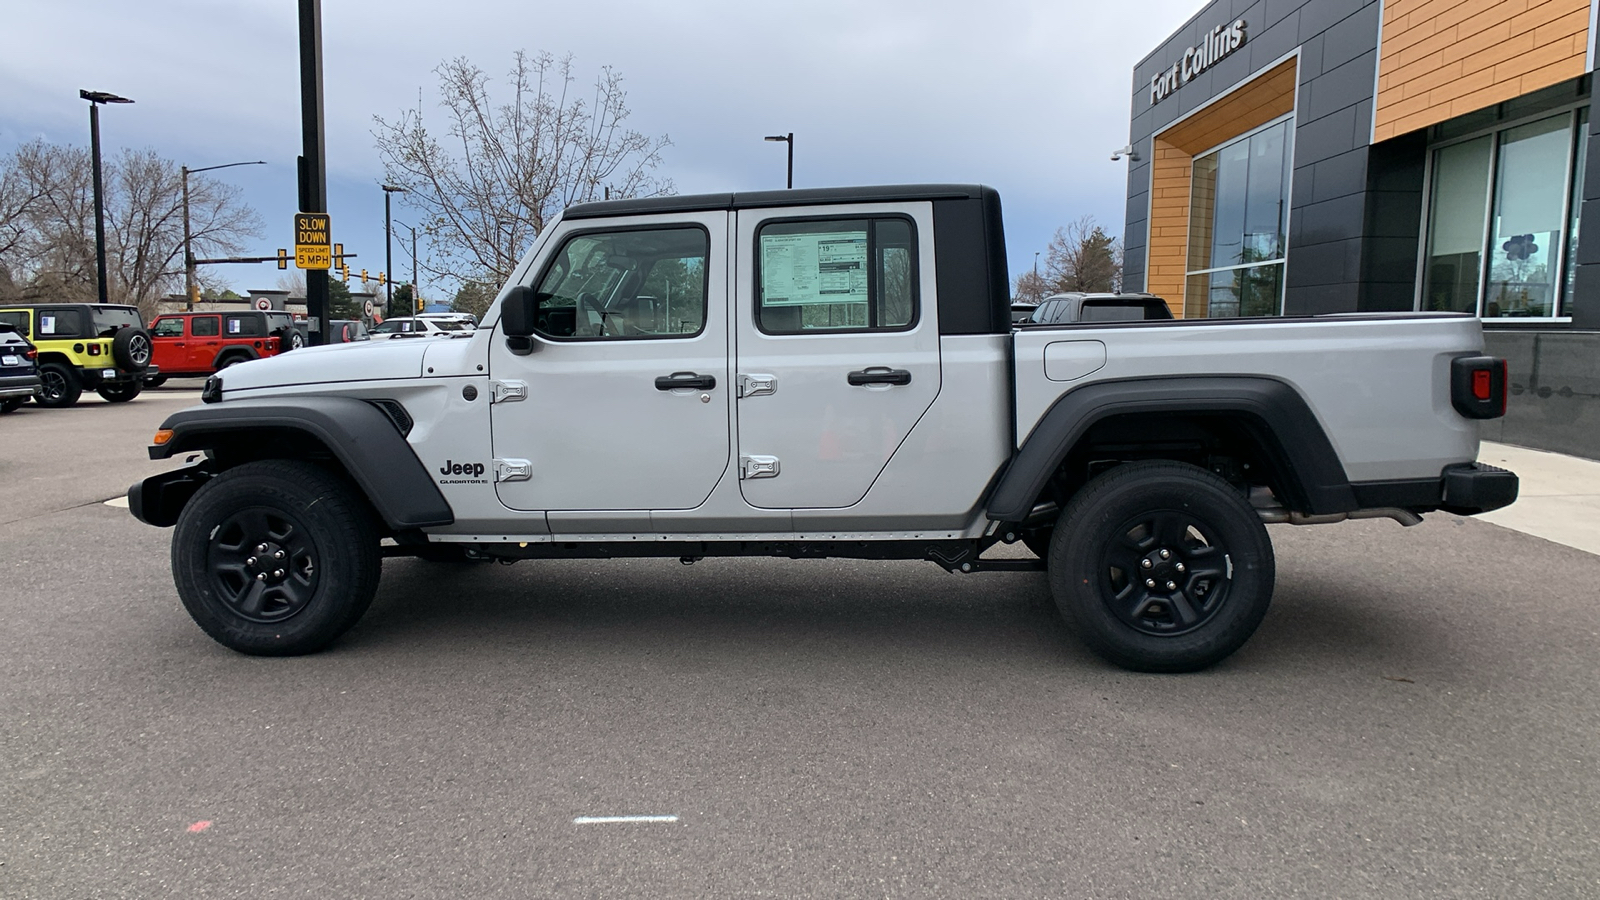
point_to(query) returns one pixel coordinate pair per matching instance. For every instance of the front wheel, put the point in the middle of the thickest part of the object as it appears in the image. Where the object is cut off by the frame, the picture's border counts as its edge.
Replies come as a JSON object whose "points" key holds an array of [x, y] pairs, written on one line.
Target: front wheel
{"points": [[276, 558], [1161, 567], [119, 393]]}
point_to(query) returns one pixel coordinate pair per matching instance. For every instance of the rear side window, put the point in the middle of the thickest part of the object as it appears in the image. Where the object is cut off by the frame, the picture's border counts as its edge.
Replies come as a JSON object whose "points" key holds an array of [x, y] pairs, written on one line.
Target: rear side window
{"points": [[203, 326], [839, 275], [18, 320], [60, 323], [244, 326], [168, 328]]}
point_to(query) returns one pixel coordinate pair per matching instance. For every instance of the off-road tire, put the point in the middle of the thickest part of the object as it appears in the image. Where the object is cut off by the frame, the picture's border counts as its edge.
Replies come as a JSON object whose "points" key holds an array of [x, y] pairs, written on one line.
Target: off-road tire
{"points": [[131, 349], [119, 393], [1126, 519], [330, 569], [59, 386], [155, 381]]}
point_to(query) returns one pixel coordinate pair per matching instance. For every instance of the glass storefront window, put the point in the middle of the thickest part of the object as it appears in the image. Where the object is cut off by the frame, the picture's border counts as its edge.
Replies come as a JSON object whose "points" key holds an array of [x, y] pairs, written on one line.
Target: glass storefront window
{"points": [[1512, 257], [1237, 224], [1455, 231]]}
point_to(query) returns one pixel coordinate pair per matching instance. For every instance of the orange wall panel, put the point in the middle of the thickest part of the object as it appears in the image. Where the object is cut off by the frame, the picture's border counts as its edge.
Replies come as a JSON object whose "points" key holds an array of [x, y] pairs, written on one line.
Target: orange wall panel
{"points": [[1443, 58]]}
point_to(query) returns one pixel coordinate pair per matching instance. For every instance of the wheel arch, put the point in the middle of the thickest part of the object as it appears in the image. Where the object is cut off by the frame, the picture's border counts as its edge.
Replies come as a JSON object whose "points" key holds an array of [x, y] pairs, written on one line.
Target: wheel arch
{"points": [[354, 435], [226, 354], [1148, 417]]}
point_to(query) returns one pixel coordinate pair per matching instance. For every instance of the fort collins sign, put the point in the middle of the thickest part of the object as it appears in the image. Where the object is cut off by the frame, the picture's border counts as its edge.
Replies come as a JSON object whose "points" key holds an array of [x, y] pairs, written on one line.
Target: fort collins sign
{"points": [[1221, 41]]}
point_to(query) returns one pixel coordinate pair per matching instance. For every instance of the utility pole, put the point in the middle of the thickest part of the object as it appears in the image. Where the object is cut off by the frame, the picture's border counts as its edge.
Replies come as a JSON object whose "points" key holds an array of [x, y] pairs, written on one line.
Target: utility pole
{"points": [[190, 289], [96, 98], [416, 289], [313, 171]]}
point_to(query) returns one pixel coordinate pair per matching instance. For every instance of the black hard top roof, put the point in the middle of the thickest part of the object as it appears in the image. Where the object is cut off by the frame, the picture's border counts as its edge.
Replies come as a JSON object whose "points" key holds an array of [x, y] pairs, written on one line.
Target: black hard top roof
{"points": [[756, 199], [38, 304]]}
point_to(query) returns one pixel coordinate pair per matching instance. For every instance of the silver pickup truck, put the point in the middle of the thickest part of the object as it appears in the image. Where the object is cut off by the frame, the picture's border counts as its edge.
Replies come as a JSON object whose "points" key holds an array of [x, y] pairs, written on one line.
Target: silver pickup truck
{"points": [[808, 374]]}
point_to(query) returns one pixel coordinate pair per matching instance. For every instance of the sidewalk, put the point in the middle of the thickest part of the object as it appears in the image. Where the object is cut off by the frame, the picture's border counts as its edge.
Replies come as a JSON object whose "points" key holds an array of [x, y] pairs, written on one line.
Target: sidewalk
{"points": [[1559, 499]]}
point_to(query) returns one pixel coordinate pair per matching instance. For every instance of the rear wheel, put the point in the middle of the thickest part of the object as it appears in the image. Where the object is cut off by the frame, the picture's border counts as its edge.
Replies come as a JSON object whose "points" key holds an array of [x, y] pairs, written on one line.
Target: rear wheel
{"points": [[1161, 567], [276, 558], [119, 393], [155, 381], [12, 405], [58, 386]]}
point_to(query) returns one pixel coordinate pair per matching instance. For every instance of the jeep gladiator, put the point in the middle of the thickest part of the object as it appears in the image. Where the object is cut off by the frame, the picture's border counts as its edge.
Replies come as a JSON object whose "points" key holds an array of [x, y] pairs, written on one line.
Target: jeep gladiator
{"points": [[818, 373]]}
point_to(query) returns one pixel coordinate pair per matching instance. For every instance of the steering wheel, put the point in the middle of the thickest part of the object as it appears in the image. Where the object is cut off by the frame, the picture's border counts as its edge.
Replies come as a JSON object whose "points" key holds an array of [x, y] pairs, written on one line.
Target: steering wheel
{"points": [[588, 303]]}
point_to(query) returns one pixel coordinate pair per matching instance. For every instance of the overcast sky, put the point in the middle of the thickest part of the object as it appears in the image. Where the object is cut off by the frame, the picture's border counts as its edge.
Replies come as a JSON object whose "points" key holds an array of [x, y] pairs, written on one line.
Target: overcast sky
{"points": [[1029, 96]]}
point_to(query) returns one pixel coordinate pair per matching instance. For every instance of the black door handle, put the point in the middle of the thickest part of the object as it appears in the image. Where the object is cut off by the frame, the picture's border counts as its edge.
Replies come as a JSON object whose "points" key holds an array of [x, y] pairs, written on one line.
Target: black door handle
{"points": [[680, 380], [879, 375]]}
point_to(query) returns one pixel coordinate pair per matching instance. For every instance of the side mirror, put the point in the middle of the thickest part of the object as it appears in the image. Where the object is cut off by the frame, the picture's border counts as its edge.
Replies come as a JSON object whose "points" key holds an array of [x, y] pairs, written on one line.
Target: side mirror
{"points": [[518, 314]]}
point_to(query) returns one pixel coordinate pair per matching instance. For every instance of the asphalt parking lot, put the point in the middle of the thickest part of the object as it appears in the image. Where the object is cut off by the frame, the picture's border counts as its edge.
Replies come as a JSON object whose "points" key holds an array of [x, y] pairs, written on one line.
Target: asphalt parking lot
{"points": [[1417, 717]]}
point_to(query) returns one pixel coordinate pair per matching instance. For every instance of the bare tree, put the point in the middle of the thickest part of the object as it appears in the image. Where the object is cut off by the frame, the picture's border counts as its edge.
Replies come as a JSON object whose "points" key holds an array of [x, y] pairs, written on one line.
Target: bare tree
{"points": [[1082, 257], [48, 248], [497, 172], [1030, 287]]}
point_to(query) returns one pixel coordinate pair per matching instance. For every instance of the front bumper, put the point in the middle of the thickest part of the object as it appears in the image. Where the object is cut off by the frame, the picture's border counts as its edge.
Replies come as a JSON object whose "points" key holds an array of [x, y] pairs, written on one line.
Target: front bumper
{"points": [[14, 386]]}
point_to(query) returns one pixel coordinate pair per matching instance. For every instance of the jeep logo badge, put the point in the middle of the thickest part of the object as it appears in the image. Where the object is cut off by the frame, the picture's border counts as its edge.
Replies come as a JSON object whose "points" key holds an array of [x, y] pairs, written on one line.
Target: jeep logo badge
{"points": [[452, 467]]}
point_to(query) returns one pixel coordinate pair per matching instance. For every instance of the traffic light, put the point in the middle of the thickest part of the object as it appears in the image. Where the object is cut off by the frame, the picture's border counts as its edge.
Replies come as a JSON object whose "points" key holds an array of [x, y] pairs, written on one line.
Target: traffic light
{"points": [[419, 304], [363, 276], [383, 278]]}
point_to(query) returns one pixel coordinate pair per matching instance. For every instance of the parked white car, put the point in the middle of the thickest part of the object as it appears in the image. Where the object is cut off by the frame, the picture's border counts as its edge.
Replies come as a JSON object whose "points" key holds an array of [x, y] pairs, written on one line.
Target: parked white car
{"points": [[416, 327]]}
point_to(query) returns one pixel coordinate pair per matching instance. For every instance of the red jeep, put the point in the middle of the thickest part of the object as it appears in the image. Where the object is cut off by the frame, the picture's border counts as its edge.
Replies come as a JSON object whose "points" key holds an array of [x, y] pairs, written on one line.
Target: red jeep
{"points": [[200, 343]]}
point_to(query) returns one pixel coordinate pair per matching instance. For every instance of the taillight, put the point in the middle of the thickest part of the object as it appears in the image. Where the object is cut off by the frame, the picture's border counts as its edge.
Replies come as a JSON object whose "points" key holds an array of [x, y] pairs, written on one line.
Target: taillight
{"points": [[94, 349], [31, 353], [1478, 386]]}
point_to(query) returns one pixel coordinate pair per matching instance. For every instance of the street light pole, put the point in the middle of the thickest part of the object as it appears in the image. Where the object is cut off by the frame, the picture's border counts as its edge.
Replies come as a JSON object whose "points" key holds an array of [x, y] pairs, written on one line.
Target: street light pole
{"points": [[189, 287], [787, 139], [96, 98], [388, 250]]}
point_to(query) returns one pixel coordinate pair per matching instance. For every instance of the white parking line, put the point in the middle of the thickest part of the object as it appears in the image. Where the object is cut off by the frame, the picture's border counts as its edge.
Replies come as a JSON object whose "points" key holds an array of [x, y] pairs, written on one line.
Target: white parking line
{"points": [[610, 820], [118, 502]]}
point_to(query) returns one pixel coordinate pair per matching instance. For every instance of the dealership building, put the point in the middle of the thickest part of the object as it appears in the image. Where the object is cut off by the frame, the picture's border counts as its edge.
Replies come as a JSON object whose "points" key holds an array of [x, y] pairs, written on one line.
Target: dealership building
{"points": [[1304, 157]]}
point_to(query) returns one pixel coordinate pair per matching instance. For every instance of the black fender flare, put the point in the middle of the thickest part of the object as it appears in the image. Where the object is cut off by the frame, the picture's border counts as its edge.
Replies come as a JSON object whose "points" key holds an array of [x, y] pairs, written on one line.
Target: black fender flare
{"points": [[227, 353], [1277, 417], [360, 435]]}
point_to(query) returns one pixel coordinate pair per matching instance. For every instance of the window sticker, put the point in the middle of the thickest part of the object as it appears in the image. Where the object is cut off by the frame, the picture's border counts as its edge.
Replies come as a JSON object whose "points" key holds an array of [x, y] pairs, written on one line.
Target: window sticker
{"points": [[809, 269], [233, 326], [47, 324]]}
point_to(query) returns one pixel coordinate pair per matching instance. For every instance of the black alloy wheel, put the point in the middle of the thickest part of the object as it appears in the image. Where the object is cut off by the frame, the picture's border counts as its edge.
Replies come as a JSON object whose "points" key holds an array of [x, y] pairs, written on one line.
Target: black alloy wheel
{"points": [[276, 558], [1161, 567], [262, 563], [58, 386]]}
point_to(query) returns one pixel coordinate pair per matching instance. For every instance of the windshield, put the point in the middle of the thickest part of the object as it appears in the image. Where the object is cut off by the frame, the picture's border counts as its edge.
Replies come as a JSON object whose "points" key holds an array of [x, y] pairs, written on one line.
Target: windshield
{"points": [[108, 320]]}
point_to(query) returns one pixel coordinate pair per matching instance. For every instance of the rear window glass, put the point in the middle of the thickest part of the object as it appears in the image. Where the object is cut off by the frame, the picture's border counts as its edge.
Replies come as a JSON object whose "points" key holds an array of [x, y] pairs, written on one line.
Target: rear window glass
{"points": [[275, 321], [108, 320], [18, 319], [444, 325], [244, 326]]}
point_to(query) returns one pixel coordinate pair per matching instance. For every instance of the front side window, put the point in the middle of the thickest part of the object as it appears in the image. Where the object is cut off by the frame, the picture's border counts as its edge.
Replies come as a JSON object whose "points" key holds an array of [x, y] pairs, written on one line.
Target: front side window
{"points": [[168, 328], [1238, 225], [1503, 220], [838, 275], [626, 285]]}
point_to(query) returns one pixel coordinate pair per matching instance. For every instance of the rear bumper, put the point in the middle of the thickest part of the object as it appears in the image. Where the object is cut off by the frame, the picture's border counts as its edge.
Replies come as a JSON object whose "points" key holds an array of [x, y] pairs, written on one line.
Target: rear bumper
{"points": [[1477, 488], [1464, 489], [14, 386], [92, 377]]}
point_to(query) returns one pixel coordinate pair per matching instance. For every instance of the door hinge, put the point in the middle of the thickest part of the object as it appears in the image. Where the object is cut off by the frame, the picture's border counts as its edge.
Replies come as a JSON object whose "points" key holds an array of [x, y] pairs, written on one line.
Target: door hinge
{"points": [[507, 391], [758, 467], [512, 470], [756, 385]]}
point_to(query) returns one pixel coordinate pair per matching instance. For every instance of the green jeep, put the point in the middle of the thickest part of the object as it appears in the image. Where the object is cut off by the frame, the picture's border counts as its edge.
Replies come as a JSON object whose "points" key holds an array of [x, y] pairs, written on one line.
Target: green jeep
{"points": [[84, 345]]}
